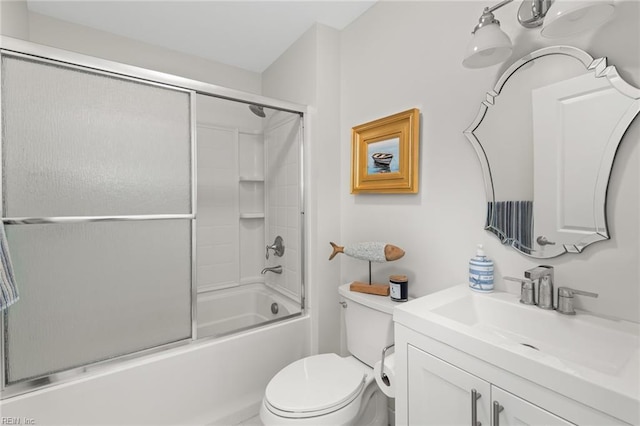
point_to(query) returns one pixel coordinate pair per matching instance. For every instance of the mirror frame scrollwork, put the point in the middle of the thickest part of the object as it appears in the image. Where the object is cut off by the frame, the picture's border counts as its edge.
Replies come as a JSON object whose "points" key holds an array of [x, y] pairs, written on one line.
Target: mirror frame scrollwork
{"points": [[599, 69]]}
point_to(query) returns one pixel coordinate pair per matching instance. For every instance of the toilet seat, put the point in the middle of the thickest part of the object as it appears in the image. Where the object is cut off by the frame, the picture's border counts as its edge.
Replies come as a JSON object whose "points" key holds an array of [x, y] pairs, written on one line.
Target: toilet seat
{"points": [[314, 386]]}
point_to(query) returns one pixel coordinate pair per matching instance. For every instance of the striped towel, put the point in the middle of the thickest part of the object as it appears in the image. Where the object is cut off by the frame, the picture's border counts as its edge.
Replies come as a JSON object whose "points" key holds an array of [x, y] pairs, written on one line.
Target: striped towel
{"points": [[8, 289], [512, 222]]}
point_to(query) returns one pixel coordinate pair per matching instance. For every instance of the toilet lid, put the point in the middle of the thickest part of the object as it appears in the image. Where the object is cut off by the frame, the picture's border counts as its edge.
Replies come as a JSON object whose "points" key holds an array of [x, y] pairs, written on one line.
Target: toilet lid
{"points": [[316, 383]]}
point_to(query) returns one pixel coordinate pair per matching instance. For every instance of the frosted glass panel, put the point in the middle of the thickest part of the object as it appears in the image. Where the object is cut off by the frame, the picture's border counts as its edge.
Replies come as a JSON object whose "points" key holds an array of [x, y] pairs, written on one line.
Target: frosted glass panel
{"points": [[78, 143], [93, 291]]}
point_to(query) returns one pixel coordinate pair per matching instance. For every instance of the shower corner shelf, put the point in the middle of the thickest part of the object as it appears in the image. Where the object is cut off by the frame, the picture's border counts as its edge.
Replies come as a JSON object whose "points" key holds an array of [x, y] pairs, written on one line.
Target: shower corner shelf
{"points": [[251, 215], [251, 179]]}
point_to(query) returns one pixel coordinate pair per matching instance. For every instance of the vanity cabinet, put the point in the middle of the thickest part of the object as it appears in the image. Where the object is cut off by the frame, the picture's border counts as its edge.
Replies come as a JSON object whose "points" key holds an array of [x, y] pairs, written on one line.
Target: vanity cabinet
{"points": [[517, 411], [440, 393], [434, 384]]}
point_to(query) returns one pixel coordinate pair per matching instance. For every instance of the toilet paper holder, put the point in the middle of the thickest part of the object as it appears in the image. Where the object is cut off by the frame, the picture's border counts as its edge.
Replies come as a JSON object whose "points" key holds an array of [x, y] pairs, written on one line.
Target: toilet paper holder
{"points": [[383, 376]]}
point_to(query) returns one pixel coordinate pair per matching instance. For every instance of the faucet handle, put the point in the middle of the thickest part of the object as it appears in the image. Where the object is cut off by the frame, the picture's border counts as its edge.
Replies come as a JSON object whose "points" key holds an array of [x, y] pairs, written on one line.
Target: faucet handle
{"points": [[538, 272], [527, 290], [565, 299], [277, 247]]}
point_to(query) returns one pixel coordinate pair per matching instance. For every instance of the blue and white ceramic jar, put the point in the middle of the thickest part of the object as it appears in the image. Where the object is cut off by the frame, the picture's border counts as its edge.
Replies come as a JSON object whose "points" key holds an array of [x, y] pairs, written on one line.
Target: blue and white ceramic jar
{"points": [[481, 272]]}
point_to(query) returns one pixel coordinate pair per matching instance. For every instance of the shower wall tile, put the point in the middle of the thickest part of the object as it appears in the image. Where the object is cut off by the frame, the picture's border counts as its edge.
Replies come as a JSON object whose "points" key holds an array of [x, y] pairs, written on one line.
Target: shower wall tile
{"points": [[210, 235], [253, 249], [204, 253], [224, 253], [205, 174], [251, 154], [292, 173], [293, 236], [217, 274], [283, 200], [217, 215]]}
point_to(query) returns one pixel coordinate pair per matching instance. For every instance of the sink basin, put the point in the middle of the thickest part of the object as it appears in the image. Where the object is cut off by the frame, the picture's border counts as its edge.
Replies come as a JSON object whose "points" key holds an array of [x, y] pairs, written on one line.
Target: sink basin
{"points": [[582, 356], [600, 344]]}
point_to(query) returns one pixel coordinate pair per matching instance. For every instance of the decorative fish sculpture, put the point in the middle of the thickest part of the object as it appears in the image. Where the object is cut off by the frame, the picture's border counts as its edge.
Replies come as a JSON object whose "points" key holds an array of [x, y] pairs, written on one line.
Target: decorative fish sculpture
{"points": [[373, 252]]}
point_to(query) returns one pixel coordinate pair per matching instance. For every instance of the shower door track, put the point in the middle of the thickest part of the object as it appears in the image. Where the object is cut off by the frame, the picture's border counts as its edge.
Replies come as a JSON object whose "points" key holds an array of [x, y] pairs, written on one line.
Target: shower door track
{"points": [[84, 219]]}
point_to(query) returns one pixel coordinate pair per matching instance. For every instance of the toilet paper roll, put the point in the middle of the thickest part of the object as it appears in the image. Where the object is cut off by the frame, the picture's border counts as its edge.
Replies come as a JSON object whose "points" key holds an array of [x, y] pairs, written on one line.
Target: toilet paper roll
{"points": [[389, 370]]}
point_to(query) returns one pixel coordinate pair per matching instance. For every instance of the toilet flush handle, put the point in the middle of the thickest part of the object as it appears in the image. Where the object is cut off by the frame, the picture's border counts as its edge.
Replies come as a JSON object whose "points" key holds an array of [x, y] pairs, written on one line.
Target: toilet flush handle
{"points": [[383, 376]]}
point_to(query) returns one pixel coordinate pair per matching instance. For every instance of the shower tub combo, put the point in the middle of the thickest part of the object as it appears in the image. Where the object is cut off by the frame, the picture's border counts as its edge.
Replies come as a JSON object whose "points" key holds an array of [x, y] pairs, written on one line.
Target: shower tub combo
{"points": [[138, 255]]}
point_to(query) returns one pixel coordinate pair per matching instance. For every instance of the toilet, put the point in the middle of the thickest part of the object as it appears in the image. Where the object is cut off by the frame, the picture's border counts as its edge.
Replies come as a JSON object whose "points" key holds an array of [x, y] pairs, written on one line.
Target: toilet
{"points": [[327, 389]]}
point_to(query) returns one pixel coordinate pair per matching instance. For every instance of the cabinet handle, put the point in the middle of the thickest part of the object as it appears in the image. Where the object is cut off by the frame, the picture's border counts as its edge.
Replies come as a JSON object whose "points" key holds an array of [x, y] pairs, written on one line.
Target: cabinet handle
{"points": [[475, 396], [497, 409]]}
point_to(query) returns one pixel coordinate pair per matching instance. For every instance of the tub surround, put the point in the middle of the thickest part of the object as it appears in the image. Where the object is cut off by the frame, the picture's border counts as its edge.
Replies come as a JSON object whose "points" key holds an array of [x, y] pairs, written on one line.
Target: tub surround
{"points": [[189, 379]]}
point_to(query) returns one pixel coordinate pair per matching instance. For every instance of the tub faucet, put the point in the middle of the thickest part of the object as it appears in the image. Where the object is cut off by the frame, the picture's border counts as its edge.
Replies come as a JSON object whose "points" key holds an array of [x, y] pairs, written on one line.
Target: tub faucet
{"points": [[274, 269]]}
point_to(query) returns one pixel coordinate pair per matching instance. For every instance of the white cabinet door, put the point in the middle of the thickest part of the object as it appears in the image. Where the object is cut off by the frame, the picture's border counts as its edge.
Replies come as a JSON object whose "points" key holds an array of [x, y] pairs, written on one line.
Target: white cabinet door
{"points": [[441, 394], [517, 411]]}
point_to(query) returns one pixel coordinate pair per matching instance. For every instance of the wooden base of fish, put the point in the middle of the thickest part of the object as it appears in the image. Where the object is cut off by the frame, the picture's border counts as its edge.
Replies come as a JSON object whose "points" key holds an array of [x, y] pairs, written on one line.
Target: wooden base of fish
{"points": [[379, 289]]}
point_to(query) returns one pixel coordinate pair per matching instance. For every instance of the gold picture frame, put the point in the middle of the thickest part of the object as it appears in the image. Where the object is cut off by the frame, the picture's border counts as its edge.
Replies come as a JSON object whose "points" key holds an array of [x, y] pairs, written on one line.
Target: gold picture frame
{"points": [[384, 154]]}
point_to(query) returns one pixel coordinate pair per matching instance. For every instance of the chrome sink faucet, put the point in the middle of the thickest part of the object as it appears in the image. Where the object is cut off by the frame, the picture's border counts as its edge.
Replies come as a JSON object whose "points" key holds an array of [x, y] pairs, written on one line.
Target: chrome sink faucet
{"points": [[537, 289], [543, 276], [537, 286]]}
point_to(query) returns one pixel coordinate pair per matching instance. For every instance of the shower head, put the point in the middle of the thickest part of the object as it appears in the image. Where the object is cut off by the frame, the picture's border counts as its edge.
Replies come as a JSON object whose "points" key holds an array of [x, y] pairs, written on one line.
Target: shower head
{"points": [[257, 110]]}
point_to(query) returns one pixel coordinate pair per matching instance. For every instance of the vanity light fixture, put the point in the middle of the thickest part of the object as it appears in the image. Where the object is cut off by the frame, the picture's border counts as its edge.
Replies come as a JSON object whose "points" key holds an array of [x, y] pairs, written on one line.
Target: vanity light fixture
{"points": [[489, 45], [559, 18], [566, 18]]}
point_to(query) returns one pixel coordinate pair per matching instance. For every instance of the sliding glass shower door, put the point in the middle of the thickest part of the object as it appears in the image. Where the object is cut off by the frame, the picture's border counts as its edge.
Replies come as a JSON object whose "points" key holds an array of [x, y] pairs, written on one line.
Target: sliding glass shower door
{"points": [[98, 207]]}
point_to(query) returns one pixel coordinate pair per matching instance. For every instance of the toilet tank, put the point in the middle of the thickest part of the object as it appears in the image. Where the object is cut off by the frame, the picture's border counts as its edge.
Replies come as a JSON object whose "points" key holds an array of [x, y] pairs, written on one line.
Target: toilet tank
{"points": [[368, 320]]}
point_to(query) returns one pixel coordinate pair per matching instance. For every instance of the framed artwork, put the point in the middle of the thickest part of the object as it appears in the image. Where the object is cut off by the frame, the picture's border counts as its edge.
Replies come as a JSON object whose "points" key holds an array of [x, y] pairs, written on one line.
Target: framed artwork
{"points": [[385, 155]]}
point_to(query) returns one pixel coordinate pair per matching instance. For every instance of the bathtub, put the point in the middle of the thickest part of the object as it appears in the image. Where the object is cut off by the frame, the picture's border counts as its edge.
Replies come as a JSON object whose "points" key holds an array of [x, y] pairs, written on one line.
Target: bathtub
{"points": [[229, 310], [211, 381]]}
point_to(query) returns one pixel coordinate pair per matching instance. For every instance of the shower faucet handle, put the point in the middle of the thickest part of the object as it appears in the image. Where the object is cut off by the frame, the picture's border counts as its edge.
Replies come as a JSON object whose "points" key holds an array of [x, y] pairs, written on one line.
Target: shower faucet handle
{"points": [[277, 247]]}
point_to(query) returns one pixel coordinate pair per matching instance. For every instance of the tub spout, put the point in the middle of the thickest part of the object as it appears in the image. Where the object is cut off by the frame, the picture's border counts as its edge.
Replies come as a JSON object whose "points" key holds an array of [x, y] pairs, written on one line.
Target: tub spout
{"points": [[274, 269]]}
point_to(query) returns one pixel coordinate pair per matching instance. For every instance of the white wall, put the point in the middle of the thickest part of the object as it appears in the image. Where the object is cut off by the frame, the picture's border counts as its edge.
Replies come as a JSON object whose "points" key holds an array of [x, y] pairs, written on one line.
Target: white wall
{"points": [[308, 73], [65, 35], [14, 19], [18, 22], [400, 55]]}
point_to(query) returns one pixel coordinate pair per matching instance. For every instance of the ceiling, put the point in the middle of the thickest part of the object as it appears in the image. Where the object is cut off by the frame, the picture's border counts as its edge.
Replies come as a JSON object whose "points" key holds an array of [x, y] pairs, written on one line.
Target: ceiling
{"points": [[247, 34]]}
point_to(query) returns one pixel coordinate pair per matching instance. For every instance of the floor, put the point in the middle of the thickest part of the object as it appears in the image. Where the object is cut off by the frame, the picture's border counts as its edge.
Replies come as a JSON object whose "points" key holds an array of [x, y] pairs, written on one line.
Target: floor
{"points": [[253, 421]]}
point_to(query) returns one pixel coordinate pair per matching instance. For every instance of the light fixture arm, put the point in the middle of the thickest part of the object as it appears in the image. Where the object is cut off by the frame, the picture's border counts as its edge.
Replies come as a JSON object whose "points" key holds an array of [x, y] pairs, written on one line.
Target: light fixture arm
{"points": [[497, 6], [532, 12], [488, 17]]}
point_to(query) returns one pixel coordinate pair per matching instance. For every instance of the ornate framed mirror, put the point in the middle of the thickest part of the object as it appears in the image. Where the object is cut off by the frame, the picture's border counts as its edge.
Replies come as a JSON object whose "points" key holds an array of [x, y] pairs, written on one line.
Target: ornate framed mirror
{"points": [[546, 137]]}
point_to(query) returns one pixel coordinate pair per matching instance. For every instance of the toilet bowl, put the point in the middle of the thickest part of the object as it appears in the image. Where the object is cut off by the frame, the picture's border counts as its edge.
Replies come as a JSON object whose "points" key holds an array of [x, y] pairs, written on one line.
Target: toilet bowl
{"points": [[328, 389]]}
